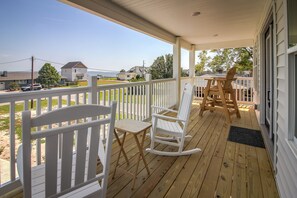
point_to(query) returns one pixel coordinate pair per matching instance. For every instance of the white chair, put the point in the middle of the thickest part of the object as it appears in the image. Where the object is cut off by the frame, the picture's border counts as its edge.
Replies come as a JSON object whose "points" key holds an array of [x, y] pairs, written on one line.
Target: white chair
{"points": [[74, 174], [172, 130]]}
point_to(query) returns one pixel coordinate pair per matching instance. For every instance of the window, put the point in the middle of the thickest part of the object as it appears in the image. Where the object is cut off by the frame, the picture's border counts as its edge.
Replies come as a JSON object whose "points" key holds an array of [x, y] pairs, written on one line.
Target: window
{"points": [[292, 23], [293, 96]]}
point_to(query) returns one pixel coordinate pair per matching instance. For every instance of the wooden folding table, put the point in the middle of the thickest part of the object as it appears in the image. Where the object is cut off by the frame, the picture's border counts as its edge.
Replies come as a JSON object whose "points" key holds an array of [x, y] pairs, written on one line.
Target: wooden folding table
{"points": [[134, 127]]}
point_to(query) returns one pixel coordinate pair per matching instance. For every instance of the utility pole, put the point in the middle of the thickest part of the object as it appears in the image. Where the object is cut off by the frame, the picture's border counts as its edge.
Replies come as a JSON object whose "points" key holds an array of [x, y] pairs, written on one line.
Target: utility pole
{"points": [[32, 78], [143, 71]]}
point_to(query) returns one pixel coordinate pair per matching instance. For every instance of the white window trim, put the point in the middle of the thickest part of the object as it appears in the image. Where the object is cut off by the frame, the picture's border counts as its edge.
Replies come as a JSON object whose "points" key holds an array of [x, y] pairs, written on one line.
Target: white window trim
{"points": [[292, 66]]}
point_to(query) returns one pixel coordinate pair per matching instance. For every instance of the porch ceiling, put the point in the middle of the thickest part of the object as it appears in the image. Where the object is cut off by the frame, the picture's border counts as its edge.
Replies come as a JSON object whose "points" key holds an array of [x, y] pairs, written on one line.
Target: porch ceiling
{"points": [[229, 23]]}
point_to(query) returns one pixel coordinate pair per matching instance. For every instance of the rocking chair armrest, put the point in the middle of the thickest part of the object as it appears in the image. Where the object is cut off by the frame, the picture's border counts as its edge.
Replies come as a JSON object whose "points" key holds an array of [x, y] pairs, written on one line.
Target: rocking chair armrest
{"points": [[163, 108], [166, 117]]}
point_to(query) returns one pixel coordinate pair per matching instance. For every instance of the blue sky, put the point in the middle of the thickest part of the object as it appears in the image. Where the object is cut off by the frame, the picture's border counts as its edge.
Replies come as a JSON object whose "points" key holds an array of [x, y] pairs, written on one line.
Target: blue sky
{"points": [[51, 30]]}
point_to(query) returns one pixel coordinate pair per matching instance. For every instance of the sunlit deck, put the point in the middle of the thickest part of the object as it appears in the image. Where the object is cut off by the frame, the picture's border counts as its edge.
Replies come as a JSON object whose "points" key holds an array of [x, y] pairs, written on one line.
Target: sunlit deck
{"points": [[222, 169]]}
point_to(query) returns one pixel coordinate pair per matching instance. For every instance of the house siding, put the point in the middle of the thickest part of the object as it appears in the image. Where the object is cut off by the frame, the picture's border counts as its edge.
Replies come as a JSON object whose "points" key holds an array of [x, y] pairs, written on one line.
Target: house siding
{"points": [[76, 71], [67, 73], [286, 162]]}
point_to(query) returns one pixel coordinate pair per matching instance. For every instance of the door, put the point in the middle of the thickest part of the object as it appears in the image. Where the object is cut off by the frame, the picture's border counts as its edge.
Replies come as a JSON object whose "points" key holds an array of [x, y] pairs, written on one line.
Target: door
{"points": [[269, 80]]}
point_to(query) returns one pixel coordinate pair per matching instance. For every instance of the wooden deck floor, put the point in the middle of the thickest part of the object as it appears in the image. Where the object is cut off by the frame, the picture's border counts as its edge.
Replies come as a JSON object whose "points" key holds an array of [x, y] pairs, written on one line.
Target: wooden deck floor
{"points": [[221, 169]]}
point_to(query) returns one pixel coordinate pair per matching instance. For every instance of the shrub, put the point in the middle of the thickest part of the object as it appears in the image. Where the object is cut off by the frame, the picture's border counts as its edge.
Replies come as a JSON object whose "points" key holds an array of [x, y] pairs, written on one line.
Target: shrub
{"points": [[13, 86]]}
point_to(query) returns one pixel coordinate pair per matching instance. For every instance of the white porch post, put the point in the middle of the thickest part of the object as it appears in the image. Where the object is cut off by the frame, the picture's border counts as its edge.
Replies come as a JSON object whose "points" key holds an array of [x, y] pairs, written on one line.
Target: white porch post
{"points": [[92, 97], [192, 64], [177, 68], [148, 93]]}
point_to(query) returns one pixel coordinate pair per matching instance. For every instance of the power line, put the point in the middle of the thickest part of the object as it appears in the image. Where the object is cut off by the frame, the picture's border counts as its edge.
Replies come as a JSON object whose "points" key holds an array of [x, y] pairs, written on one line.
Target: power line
{"points": [[53, 62], [64, 64], [107, 70], [49, 61], [15, 61]]}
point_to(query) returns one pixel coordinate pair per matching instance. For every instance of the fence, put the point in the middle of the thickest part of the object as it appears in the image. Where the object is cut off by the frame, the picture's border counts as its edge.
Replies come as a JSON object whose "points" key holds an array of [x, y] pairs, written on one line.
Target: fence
{"points": [[134, 102]]}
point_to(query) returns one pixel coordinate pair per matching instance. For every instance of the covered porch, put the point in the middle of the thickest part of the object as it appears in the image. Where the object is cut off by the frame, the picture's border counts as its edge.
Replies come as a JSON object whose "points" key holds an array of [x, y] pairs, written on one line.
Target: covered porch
{"points": [[222, 169]]}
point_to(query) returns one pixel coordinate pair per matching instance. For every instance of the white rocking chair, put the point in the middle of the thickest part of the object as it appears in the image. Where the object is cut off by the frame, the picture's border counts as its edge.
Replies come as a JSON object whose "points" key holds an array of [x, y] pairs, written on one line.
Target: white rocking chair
{"points": [[173, 129], [75, 173]]}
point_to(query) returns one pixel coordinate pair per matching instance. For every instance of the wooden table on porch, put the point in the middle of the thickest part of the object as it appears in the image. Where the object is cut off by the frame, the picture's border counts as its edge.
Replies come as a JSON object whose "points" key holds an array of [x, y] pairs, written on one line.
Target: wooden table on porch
{"points": [[134, 127], [219, 99]]}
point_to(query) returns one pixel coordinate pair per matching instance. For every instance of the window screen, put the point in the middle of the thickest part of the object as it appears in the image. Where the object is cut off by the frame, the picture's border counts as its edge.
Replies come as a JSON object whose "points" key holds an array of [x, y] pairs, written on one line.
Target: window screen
{"points": [[292, 23]]}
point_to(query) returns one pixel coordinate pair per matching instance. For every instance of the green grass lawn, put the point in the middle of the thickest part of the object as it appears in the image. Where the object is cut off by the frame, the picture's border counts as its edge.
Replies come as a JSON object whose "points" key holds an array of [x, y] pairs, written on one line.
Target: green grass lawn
{"points": [[102, 82]]}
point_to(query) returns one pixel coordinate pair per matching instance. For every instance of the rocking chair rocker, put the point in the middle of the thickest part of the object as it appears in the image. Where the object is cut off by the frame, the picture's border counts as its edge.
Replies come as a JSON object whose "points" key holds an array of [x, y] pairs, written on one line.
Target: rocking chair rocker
{"points": [[172, 130]]}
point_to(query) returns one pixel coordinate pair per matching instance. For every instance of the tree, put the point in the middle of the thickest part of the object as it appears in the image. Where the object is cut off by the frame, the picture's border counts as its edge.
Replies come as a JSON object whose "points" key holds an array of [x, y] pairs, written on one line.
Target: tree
{"points": [[162, 67], [203, 63], [48, 75], [13, 86], [242, 58], [122, 70]]}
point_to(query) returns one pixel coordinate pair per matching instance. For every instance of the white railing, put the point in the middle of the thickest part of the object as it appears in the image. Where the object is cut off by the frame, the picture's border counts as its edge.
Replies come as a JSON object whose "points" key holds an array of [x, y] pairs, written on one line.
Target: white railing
{"points": [[243, 86], [134, 102]]}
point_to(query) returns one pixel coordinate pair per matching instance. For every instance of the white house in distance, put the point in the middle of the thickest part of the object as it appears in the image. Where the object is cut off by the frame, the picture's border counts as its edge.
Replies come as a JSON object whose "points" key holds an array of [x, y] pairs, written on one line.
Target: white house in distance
{"points": [[139, 70], [74, 71], [126, 75], [19, 77], [133, 72]]}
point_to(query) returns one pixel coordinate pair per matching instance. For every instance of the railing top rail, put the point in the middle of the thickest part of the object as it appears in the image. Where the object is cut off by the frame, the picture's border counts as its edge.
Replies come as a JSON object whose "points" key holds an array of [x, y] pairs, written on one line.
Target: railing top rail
{"points": [[187, 77], [121, 85], [10, 97], [163, 80], [238, 77]]}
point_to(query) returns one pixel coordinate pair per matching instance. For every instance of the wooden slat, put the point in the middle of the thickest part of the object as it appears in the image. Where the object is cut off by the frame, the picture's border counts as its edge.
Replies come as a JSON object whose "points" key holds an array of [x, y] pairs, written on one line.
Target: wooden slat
{"points": [[51, 157], [81, 155], [184, 168], [196, 179], [93, 152], [66, 160], [239, 184], [38, 142], [12, 140], [225, 180], [253, 174], [211, 178], [266, 174]]}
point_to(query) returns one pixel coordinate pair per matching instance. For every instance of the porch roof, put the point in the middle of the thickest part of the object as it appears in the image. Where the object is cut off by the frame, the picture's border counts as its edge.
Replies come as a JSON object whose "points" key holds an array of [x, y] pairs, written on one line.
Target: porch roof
{"points": [[220, 24]]}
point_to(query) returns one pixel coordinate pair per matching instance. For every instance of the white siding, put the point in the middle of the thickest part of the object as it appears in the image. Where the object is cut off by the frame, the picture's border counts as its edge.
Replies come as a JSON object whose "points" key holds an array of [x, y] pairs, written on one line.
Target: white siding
{"points": [[71, 73], [79, 71], [67, 73], [286, 164], [286, 161]]}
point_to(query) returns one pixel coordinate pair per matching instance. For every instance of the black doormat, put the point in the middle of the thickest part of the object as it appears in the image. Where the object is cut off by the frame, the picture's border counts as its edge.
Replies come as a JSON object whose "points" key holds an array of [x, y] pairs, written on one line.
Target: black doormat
{"points": [[246, 136]]}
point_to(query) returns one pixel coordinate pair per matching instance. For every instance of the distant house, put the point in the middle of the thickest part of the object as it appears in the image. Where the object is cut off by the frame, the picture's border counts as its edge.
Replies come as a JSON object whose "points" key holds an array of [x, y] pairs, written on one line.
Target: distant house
{"points": [[20, 77], [132, 73], [126, 75], [139, 70], [74, 71]]}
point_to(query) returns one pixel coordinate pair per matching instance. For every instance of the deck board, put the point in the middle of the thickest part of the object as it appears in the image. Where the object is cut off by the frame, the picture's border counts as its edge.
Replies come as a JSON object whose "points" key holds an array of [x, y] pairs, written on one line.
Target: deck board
{"points": [[221, 169]]}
